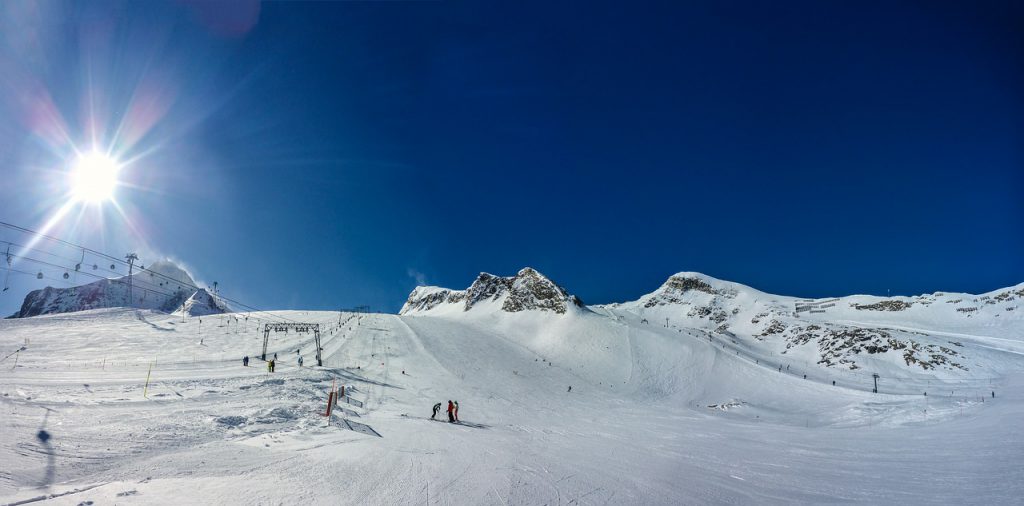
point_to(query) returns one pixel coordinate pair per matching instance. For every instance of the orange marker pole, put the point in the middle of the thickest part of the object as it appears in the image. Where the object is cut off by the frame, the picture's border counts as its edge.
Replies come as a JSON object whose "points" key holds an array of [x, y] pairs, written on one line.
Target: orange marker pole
{"points": [[330, 401]]}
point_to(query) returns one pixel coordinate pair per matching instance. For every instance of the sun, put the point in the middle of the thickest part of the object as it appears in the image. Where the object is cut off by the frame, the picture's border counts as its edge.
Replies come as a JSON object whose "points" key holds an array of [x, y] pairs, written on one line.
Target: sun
{"points": [[94, 177]]}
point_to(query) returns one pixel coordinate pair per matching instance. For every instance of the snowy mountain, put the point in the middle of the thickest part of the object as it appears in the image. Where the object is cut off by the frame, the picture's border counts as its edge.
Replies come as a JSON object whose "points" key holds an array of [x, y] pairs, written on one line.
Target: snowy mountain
{"points": [[161, 286], [701, 392], [853, 332], [202, 303], [894, 336], [528, 290]]}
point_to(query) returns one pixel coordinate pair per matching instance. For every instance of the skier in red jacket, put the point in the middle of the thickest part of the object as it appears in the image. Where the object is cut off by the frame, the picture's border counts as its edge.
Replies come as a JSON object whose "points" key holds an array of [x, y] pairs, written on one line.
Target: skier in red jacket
{"points": [[451, 408]]}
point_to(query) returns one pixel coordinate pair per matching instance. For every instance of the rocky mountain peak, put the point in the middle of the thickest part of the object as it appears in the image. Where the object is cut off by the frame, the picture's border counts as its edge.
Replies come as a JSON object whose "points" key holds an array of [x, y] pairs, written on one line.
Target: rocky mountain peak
{"points": [[682, 287], [527, 290], [162, 285], [203, 303]]}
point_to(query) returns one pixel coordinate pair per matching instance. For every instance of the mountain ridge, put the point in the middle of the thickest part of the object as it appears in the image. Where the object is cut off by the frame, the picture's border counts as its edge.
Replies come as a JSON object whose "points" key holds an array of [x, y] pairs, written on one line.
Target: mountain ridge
{"points": [[164, 286]]}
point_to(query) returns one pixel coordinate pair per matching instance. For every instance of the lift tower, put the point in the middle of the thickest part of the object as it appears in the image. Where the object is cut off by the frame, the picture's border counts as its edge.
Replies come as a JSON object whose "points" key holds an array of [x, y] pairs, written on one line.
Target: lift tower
{"points": [[297, 327]]}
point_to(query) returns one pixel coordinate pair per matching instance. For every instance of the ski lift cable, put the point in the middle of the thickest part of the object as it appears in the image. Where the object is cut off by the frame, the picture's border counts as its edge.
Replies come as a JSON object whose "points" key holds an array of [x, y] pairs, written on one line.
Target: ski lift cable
{"points": [[179, 282], [122, 262], [56, 280], [24, 248], [114, 259], [40, 275], [153, 288], [40, 251]]}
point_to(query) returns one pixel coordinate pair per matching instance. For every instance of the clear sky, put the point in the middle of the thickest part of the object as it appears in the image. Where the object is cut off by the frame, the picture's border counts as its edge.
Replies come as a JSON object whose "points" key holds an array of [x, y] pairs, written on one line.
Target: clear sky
{"points": [[332, 154]]}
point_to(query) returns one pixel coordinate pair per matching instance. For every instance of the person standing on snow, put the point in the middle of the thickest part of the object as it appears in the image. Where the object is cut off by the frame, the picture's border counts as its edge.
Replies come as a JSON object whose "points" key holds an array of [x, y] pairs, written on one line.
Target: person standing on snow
{"points": [[456, 411], [300, 360], [451, 417], [245, 361], [437, 407], [270, 365]]}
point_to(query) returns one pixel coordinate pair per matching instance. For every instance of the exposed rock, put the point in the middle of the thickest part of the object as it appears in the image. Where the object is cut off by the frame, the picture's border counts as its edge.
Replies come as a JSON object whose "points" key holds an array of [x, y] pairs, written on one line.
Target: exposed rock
{"points": [[426, 298], [676, 286], [203, 303], [527, 290], [885, 305], [164, 287]]}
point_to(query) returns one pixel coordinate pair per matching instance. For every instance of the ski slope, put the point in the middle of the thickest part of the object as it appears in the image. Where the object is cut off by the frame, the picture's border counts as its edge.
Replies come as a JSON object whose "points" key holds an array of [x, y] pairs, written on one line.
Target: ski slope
{"points": [[656, 415]]}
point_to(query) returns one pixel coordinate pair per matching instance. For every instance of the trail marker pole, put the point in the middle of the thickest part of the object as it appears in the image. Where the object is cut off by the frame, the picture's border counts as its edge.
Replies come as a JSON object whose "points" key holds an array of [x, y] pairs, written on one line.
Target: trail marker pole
{"points": [[145, 389], [330, 403]]}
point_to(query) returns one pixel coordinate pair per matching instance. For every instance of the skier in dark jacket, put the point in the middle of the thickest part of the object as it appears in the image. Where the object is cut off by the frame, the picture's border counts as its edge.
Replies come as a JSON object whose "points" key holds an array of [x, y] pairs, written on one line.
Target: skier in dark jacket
{"points": [[451, 407], [437, 407], [245, 361]]}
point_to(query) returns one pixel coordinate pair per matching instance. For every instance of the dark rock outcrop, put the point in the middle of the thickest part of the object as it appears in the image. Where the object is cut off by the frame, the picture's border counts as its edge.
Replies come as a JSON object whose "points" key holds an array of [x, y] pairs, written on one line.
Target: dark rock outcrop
{"points": [[526, 291]]}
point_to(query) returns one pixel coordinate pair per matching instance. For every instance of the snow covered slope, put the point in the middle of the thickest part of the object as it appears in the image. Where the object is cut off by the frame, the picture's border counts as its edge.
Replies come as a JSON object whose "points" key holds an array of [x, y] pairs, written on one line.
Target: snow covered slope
{"points": [[925, 336], [914, 338], [591, 405], [202, 303], [163, 286]]}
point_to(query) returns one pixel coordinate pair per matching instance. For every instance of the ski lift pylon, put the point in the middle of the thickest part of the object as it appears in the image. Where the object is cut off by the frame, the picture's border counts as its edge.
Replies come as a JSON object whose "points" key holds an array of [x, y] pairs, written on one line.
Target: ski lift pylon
{"points": [[7, 275]]}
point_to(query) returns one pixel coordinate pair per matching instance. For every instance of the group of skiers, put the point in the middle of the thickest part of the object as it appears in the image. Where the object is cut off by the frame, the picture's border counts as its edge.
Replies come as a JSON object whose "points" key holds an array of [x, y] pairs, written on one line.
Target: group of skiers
{"points": [[272, 363], [453, 411]]}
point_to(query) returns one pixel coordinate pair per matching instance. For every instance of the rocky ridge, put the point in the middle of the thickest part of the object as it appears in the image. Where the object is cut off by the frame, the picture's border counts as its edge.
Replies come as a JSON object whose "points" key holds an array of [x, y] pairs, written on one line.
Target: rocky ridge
{"points": [[528, 290]]}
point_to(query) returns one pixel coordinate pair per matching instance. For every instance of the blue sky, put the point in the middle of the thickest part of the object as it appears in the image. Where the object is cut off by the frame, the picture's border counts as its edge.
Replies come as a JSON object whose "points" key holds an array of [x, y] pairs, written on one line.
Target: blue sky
{"points": [[332, 154]]}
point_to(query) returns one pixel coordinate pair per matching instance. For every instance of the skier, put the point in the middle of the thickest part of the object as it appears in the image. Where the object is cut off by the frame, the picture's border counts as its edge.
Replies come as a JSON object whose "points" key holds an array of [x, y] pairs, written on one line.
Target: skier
{"points": [[275, 355], [270, 365], [300, 360], [437, 407], [570, 388], [245, 361], [451, 417], [456, 411]]}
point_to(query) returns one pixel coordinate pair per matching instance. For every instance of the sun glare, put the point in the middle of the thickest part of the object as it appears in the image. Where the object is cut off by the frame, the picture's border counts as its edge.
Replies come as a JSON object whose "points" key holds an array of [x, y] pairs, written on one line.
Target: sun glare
{"points": [[94, 177]]}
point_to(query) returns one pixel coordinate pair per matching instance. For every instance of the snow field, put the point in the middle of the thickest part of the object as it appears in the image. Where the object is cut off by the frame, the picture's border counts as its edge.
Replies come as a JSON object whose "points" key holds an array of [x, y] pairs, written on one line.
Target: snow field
{"points": [[655, 416]]}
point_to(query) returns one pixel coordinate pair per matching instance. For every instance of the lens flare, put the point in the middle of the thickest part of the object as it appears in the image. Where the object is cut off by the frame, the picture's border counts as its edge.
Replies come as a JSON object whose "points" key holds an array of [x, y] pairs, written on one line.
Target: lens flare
{"points": [[94, 177]]}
